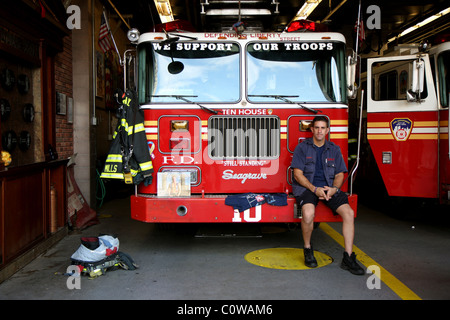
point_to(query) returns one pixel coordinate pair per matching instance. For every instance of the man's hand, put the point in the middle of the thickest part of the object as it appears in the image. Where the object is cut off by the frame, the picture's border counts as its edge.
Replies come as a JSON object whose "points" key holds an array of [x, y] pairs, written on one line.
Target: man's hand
{"points": [[330, 191], [326, 192]]}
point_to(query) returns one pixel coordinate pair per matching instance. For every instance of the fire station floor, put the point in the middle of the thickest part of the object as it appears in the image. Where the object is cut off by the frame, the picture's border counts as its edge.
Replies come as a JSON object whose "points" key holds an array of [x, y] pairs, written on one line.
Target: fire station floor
{"points": [[410, 257]]}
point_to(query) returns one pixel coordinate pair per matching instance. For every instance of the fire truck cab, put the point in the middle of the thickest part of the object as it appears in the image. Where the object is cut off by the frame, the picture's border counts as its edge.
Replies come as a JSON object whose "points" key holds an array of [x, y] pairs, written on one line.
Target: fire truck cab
{"points": [[408, 120], [223, 115]]}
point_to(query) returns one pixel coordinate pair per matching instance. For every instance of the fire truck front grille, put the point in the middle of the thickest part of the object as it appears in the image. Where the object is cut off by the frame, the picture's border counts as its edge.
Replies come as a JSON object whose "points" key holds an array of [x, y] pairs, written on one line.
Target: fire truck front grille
{"points": [[236, 137]]}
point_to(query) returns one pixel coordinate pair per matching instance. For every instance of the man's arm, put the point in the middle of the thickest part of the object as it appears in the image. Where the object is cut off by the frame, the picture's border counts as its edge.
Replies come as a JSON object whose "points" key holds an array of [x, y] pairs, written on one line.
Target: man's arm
{"points": [[337, 183], [338, 180], [302, 180]]}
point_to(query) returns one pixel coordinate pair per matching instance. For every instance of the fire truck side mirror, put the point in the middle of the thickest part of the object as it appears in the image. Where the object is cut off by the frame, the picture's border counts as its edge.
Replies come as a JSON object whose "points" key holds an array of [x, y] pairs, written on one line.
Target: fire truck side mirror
{"points": [[129, 69], [353, 77], [417, 74]]}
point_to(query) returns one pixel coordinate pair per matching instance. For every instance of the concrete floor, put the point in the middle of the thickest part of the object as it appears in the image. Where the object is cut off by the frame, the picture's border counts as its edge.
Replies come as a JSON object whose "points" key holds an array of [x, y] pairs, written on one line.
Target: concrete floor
{"points": [[175, 264]]}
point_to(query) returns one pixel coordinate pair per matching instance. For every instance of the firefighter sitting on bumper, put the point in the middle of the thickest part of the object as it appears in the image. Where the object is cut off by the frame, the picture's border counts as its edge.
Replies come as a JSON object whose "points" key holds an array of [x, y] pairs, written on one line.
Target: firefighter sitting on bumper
{"points": [[319, 173]]}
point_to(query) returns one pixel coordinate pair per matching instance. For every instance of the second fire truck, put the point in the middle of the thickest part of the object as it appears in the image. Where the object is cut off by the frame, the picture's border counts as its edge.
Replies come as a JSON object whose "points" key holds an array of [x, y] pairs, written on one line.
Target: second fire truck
{"points": [[408, 120]]}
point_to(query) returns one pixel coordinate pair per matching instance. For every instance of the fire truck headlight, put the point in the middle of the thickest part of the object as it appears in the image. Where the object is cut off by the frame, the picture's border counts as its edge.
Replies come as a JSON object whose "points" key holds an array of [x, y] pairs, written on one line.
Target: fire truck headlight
{"points": [[387, 157], [179, 125], [305, 125], [133, 35]]}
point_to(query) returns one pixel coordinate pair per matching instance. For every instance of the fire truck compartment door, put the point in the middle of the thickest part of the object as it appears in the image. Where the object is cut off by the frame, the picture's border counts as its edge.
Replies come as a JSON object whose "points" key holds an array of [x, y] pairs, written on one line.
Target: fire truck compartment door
{"points": [[403, 135]]}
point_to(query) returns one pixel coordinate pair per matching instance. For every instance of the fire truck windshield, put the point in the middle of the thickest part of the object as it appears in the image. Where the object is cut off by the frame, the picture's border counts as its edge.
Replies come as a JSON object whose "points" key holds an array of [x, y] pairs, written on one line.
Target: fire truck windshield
{"points": [[306, 72], [202, 71]]}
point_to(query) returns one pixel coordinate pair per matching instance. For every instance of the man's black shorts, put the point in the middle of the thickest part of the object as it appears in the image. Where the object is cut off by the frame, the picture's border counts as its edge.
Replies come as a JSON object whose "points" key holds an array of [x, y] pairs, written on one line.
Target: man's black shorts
{"points": [[334, 203]]}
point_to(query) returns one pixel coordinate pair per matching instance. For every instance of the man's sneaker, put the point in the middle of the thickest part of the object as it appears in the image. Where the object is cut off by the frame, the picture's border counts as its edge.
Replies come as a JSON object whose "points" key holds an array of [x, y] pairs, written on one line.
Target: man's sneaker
{"points": [[310, 261], [349, 263]]}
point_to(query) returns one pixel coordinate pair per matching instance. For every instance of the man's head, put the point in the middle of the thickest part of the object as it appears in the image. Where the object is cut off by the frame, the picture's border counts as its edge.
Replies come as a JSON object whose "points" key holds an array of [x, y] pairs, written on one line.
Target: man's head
{"points": [[320, 129], [320, 118]]}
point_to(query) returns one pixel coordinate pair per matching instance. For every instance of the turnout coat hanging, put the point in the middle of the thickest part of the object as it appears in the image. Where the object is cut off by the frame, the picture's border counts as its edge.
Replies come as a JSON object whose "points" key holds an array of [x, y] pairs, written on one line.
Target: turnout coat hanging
{"points": [[129, 157]]}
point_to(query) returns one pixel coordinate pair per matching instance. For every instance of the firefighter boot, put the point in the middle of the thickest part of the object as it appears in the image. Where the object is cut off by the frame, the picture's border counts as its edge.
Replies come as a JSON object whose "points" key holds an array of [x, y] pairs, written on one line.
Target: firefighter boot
{"points": [[310, 261], [349, 263]]}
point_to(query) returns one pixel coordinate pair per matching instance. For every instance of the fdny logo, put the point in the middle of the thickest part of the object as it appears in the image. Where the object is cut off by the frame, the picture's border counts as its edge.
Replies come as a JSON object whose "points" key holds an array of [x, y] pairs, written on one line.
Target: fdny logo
{"points": [[401, 129]]}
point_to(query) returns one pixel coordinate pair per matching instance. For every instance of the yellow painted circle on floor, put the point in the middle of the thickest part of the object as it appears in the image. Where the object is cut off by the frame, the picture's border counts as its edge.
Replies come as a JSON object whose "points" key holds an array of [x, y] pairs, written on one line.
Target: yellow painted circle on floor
{"points": [[285, 258]]}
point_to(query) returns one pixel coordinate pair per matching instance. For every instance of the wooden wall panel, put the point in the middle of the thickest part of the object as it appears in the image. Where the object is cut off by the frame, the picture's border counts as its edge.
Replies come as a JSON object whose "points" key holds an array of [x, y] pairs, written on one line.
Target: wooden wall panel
{"points": [[23, 213]]}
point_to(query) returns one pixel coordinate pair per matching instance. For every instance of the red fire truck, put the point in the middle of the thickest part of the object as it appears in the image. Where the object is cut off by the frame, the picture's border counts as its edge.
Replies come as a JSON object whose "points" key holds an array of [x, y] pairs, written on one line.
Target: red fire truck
{"points": [[224, 113], [408, 120]]}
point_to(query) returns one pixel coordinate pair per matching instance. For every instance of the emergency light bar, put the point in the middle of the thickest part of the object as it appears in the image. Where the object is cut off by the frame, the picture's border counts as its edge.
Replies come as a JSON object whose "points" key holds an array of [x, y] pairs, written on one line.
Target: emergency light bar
{"points": [[176, 25], [306, 25]]}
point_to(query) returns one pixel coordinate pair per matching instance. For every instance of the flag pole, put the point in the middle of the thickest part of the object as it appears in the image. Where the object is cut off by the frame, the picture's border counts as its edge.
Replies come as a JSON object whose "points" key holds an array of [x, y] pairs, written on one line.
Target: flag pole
{"points": [[118, 13], [357, 27], [112, 37]]}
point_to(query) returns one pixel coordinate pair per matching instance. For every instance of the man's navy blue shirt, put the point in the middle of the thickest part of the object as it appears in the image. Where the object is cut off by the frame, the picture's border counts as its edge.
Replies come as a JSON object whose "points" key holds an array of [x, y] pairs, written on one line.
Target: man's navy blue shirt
{"points": [[305, 158]]}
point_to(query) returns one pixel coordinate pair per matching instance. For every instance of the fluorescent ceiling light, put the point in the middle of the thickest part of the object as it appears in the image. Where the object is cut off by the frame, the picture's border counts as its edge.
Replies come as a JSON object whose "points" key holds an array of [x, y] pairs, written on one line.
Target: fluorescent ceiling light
{"points": [[307, 8], [164, 10], [233, 1], [421, 24], [235, 12]]}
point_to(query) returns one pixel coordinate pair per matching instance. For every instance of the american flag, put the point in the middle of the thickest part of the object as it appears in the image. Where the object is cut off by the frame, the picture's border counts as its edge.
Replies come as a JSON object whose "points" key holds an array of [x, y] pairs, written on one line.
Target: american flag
{"points": [[103, 37], [359, 28]]}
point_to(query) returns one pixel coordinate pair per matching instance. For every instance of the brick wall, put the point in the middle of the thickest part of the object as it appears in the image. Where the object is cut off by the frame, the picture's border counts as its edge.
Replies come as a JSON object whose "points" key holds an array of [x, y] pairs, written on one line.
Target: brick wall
{"points": [[63, 84]]}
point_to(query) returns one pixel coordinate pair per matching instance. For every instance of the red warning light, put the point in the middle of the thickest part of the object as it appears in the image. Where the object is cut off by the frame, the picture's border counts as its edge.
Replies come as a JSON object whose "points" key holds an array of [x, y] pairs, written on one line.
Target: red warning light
{"points": [[306, 25], [176, 25], [441, 38]]}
